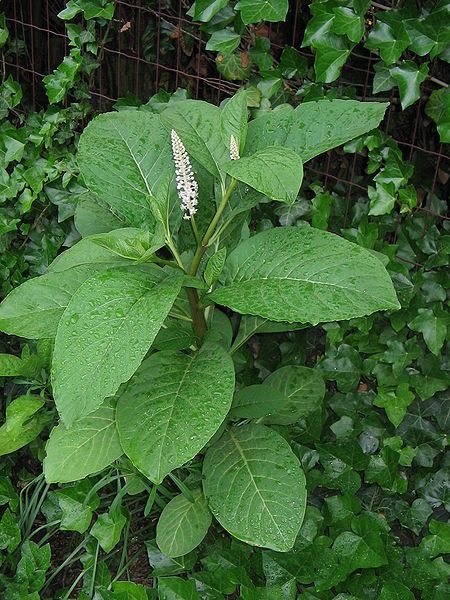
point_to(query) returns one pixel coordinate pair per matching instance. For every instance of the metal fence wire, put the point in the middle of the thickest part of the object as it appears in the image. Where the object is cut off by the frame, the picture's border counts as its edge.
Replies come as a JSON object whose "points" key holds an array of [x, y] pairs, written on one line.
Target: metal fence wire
{"points": [[151, 44]]}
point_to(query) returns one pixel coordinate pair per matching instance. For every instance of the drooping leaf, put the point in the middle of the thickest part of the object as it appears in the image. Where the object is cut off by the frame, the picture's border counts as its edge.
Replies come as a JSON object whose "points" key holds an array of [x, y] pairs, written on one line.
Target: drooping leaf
{"points": [[233, 120], [408, 77], [275, 172], [198, 125], [314, 127], [122, 157], [86, 447], [183, 524], [105, 332], [224, 40], [255, 487], [432, 327], [303, 274], [172, 406], [34, 309]]}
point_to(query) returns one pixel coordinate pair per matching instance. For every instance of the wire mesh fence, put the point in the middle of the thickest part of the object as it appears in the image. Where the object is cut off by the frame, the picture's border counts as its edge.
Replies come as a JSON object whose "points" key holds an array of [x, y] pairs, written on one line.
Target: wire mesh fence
{"points": [[152, 44]]}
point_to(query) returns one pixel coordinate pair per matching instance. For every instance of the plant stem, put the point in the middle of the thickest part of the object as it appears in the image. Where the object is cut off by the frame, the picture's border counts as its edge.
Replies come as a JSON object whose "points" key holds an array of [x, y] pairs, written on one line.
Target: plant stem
{"points": [[198, 316]]}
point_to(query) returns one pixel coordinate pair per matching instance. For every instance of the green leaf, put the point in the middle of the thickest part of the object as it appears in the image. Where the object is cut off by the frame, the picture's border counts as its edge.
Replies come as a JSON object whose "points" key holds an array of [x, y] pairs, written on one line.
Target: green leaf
{"points": [[214, 266], [76, 509], [204, 10], [87, 447], [304, 389], [390, 39], [172, 406], [11, 365], [33, 564], [331, 53], [275, 172], [253, 11], [130, 243], [235, 67], [233, 120], [224, 40], [175, 588], [22, 423], [198, 125], [91, 217], [433, 329], [395, 402], [163, 565], [183, 524], [303, 274], [122, 157], [127, 590], [10, 535], [314, 127], [108, 528], [408, 78], [394, 590], [34, 309], [438, 108], [105, 332], [255, 487], [347, 22], [382, 199], [256, 401]]}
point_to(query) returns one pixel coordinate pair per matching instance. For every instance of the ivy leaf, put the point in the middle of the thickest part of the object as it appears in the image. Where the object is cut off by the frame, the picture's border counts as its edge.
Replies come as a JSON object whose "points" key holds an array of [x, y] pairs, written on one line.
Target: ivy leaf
{"points": [[235, 67], [224, 40], [122, 157], [108, 528], [382, 199], [314, 127], [172, 407], [76, 509], [347, 22], [409, 77], [390, 37], [275, 172], [438, 108], [10, 535], [33, 310], [383, 80], [183, 524], [205, 10], [252, 471], [433, 329], [304, 389], [85, 448], [253, 11], [331, 52], [33, 564], [344, 366], [306, 275], [176, 588], [395, 402], [105, 332], [394, 590], [23, 423]]}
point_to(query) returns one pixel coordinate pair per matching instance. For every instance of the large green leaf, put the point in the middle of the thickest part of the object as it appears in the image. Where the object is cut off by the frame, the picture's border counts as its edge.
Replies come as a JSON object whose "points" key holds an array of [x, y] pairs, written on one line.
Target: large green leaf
{"points": [[105, 332], [255, 487], [303, 274], [122, 157], [304, 388], [198, 125], [88, 446], [172, 406], [314, 127], [33, 309], [275, 172], [183, 524]]}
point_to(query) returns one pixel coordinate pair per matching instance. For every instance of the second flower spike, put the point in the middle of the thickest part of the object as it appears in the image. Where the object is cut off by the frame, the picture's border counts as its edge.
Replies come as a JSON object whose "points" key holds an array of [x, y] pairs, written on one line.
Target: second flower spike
{"points": [[187, 186]]}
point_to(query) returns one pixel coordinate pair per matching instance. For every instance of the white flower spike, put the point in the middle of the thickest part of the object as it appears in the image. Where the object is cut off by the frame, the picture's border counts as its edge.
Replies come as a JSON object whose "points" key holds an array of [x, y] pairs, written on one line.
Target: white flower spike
{"points": [[234, 149], [186, 184]]}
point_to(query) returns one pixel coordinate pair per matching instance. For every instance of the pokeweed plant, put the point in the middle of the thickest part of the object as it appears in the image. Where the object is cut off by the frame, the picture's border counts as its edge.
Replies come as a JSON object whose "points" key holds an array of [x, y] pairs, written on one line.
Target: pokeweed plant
{"points": [[140, 311]]}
